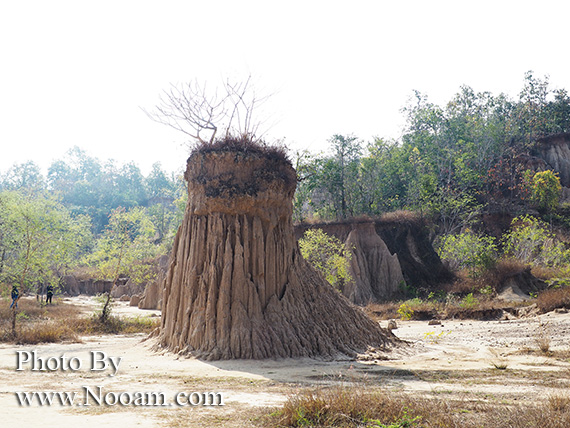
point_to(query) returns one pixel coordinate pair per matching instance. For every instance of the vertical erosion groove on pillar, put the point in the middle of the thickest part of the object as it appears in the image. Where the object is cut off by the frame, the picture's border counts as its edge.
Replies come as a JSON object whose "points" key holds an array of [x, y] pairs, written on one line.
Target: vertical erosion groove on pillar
{"points": [[237, 286]]}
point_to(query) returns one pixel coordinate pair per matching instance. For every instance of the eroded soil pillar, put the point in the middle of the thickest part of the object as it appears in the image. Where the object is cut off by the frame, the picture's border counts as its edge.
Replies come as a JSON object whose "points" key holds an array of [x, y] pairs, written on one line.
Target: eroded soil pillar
{"points": [[237, 286]]}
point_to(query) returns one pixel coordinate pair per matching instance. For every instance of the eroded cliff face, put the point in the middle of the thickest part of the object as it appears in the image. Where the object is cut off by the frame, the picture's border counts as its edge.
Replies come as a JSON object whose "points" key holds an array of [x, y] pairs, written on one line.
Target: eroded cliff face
{"points": [[409, 239], [387, 254], [555, 150], [237, 286]]}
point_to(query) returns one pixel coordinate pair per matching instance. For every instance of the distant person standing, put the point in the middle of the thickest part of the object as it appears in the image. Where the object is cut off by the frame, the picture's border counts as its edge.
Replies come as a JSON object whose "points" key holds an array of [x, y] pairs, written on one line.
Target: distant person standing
{"points": [[15, 296], [49, 293]]}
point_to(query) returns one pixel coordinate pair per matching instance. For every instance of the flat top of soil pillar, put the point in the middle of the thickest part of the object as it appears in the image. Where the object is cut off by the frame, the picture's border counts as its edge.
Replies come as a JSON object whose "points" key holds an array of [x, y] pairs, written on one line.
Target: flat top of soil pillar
{"points": [[236, 175]]}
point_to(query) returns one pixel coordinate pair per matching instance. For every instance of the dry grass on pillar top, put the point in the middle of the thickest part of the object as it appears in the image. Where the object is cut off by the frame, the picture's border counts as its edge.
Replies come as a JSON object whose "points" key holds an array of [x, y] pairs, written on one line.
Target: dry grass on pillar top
{"points": [[237, 286]]}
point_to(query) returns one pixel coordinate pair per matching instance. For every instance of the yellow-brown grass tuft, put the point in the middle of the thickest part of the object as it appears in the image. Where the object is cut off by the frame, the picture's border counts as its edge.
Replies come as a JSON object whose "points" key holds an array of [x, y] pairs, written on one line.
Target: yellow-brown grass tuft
{"points": [[559, 402], [116, 325], [554, 298], [46, 332]]}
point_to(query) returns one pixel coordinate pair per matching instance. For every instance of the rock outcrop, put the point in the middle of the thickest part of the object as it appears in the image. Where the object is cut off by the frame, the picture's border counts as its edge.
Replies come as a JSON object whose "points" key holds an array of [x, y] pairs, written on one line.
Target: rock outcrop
{"points": [[407, 236], [90, 287], [518, 284], [135, 300], [126, 287], [555, 150], [237, 286], [152, 296], [375, 271]]}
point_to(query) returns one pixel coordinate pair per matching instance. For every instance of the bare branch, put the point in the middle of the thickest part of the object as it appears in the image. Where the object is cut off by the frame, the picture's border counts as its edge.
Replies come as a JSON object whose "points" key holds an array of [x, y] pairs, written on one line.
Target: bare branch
{"points": [[199, 113]]}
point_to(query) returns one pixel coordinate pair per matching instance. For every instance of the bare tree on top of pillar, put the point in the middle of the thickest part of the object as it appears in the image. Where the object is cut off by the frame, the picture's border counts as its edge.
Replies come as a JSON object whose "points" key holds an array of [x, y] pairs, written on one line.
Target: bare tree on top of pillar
{"points": [[203, 112]]}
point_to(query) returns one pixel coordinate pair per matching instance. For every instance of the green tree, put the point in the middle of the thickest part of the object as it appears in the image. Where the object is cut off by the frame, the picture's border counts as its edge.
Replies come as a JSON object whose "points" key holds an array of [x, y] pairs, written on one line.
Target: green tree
{"points": [[382, 176], [158, 184], [125, 248], [328, 255], [333, 183], [90, 187], [559, 112], [346, 154], [531, 110], [25, 176], [468, 250], [40, 239], [304, 164]]}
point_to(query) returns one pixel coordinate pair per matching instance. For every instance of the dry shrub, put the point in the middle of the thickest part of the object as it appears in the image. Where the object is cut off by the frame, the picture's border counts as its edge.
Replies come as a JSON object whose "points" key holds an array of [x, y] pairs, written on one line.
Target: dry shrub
{"points": [[356, 407], [423, 310], [542, 338], [116, 325], [45, 332], [348, 407], [84, 273], [244, 144], [506, 268], [402, 216], [382, 311], [272, 164], [559, 402], [32, 309], [483, 309], [463, 284], [547, 273], [554, 298], [493, 277], [417, 309], [523, 416], [62, 322]]}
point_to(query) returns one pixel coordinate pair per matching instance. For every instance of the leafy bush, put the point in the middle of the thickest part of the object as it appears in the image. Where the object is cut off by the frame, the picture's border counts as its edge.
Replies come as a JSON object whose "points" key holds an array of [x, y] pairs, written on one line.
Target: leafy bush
{"points": [[469, 301], [545, 190], [405, 311], [468, 250], [530, 242], [328, 255]]}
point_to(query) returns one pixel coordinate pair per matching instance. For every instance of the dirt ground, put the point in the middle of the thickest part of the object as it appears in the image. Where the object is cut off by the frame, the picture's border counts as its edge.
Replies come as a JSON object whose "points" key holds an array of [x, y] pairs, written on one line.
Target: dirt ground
{"points": [[497, 361]]}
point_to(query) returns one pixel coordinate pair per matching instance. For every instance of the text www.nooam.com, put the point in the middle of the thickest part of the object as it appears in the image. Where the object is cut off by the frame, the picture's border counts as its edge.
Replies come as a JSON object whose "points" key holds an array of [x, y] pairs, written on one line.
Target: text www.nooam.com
{"points": [[96, 397]]}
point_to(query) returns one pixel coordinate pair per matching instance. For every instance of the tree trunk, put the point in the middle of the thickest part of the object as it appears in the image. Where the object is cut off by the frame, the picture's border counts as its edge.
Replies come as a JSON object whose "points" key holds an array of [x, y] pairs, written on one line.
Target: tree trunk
{"points": [[237, 286], [14, 321]]}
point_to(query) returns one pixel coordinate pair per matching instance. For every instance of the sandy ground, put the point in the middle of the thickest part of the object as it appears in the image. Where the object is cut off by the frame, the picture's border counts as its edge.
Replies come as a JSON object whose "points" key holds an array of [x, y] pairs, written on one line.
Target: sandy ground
{"points": [[455, 359]]}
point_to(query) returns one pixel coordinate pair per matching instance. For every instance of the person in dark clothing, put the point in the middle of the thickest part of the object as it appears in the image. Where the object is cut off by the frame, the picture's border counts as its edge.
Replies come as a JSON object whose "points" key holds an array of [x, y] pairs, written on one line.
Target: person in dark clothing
{"points": [[49, 293], [15, 296]]}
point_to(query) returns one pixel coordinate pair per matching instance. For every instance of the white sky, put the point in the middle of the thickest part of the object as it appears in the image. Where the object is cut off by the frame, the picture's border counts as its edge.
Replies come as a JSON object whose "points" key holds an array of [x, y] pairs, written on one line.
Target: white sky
{"points": [[77, 72]]}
